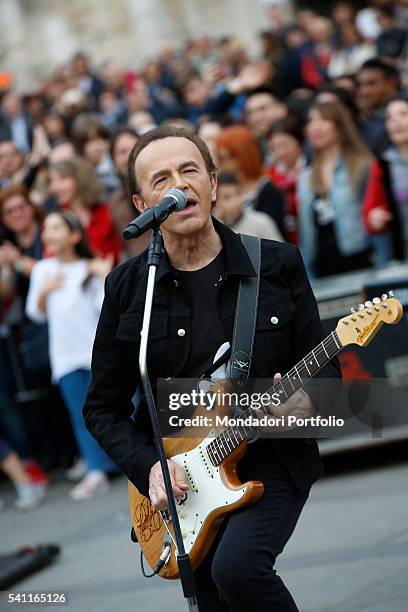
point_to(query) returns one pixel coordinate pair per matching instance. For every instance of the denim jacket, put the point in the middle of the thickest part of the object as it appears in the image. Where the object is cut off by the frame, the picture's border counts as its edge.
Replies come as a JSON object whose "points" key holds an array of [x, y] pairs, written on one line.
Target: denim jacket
{"points": [[348, 224]]}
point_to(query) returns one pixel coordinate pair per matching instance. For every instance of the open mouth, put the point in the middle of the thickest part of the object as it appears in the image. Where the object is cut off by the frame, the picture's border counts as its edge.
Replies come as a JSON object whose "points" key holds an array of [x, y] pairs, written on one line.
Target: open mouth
{"points": [[190, 205]]}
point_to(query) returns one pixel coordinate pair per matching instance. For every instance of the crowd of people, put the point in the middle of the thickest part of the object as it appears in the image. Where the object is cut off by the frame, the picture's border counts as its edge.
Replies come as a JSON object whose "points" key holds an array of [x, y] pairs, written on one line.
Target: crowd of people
{"points": [[311, 142]]}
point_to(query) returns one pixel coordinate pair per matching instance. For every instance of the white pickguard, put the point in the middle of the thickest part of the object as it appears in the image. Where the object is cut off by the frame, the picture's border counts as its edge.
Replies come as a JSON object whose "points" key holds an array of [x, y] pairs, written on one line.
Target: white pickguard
{"points": [[206, 493]]}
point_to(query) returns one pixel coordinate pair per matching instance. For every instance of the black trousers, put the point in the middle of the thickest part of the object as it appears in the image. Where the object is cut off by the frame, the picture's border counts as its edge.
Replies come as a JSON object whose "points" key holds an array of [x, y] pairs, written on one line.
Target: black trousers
{"points": [[238, 574]]}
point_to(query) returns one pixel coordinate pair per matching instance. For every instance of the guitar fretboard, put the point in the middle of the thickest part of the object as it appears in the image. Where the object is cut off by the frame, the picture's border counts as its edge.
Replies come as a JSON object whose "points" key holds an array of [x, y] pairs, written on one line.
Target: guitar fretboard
{"points": [[231, 437]]}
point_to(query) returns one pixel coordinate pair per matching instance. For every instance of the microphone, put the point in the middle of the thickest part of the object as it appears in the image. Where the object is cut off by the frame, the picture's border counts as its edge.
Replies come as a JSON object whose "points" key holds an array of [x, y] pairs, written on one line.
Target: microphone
{"points": [[175, 199]]}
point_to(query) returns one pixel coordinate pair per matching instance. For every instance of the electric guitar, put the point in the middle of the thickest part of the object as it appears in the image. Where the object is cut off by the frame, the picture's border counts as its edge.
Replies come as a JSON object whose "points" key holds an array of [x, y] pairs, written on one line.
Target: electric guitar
{"points": [[210, 459]]}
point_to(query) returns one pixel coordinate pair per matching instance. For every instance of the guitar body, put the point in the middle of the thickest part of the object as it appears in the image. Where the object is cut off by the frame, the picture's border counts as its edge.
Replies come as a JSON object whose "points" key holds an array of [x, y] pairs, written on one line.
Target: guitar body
{"points": [[214, 493]]}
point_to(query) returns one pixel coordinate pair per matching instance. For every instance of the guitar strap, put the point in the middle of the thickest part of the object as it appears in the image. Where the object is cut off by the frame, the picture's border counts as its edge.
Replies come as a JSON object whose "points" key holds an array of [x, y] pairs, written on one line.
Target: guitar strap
{"points": [[245, 316]]}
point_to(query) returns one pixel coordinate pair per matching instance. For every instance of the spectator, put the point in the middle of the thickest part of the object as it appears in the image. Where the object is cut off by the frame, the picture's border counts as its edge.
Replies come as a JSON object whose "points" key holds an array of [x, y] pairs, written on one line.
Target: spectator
{"points": [[19, 217], [15, 124], [16, 168], [92, 141], [343, 13], [89, 84], [350, 53], [386, 201], [55, 128], [330, 191], [12, 168], [76, 187], [209, 130], [121, 206], [378, 82], [239, 154], [113, 110], [162, 104], [262, 109], [393, 40], [71, 277], [231, 210], [286, 145], [317, 52], [27, 343]]}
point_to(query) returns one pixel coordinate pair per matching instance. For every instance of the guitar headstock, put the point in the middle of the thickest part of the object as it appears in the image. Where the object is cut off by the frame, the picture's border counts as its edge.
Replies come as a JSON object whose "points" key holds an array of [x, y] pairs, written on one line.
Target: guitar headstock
{"points": [[364, 322]]}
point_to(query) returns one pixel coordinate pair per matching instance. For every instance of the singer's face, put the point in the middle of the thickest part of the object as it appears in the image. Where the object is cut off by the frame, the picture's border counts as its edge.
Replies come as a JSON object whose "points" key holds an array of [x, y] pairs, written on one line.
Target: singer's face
{"points": [[176, 162]]}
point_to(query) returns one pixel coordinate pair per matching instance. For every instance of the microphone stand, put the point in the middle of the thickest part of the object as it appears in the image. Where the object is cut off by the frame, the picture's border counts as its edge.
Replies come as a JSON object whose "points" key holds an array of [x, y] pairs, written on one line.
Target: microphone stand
{"points": [[183, 559]]}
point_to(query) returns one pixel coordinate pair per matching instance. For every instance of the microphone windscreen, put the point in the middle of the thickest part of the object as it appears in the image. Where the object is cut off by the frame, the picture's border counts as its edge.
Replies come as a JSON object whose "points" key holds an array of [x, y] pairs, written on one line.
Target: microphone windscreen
{"points": [[179, 196]]}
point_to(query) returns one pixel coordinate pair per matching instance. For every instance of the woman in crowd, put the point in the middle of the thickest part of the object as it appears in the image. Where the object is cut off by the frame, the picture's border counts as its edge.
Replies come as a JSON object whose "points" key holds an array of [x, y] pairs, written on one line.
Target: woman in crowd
{"points": [[351, 51], [285, 142], [239, 154], [20, 249], [76, 187], [21, 220], [122, 209], [91, 139], [330, 192], [386, 200], [61, 286]]}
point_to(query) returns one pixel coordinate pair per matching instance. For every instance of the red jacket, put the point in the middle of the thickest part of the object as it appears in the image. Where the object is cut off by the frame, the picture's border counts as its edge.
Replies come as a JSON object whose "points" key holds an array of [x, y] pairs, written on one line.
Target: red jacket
{"points": [[100, 232], [375, 196]]}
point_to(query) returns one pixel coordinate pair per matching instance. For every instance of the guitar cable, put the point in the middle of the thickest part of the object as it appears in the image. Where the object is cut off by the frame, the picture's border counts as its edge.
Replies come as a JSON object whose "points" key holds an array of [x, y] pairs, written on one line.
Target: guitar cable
{"points": [[163, 559]]}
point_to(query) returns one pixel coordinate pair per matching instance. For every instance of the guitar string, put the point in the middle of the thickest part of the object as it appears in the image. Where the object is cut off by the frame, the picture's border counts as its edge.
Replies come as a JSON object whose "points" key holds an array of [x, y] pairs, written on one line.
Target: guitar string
{"points": [[318, 351], [214, 444]]}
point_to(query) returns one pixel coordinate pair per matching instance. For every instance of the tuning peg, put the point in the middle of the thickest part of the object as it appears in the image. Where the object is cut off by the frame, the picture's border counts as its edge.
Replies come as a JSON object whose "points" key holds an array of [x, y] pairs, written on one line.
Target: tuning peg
{"points": [[376, 300], [384, 296], [368, 304], [361, 306], [391, 293], [353, 310]]}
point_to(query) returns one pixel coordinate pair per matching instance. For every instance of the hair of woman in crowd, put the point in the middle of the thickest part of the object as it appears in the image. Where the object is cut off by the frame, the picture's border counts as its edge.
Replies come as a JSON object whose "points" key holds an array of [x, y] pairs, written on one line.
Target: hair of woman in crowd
{"points": [[352, 146], [88, 188]]}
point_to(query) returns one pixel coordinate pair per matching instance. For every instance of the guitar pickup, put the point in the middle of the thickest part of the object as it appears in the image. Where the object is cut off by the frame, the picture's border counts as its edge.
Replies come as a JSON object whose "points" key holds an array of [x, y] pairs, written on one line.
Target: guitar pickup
{"points": [[191, 482], [206, 460]]}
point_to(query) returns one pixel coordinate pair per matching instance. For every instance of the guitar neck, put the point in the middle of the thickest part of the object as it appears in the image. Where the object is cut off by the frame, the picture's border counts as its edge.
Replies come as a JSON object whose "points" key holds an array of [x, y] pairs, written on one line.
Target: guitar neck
{"points": [[231, 437]]}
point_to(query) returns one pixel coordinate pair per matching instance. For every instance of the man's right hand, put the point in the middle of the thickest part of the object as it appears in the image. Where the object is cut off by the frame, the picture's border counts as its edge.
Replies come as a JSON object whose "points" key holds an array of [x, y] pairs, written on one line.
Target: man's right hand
{"points": [[157, 490]]}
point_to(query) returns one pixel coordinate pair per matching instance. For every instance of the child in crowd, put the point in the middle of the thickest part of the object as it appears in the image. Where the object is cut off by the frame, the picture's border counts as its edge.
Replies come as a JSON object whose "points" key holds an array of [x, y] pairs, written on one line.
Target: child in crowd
{"points": [[67, 291], [230, 209]]}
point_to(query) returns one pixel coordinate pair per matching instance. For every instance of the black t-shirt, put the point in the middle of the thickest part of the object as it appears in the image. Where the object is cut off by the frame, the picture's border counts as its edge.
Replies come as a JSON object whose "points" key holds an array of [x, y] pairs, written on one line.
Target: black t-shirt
{"points": [[201, 288]]}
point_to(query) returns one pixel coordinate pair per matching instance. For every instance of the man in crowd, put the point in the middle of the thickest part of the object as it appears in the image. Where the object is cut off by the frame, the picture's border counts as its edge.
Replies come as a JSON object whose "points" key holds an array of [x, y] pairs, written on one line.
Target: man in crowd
{"points": [[377, 82]]}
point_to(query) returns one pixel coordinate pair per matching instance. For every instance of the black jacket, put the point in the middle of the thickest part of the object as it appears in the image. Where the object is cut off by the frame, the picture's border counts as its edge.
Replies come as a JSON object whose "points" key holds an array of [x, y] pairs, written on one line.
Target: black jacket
{"points": [[285, 294]]}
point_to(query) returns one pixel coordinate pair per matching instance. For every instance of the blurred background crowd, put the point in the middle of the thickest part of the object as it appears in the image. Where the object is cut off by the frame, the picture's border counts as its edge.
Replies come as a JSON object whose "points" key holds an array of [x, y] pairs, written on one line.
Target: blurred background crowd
{"points": [[311, 141]]}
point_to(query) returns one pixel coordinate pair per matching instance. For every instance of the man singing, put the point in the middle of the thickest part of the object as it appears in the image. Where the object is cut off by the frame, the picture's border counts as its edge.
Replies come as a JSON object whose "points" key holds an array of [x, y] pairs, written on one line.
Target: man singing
{"points": [[193, 315]]}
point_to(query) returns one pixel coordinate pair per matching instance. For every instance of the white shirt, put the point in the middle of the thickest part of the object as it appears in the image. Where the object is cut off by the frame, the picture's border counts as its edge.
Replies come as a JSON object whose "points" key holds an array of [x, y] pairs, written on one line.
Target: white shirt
{"points": [[72, 312]]}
